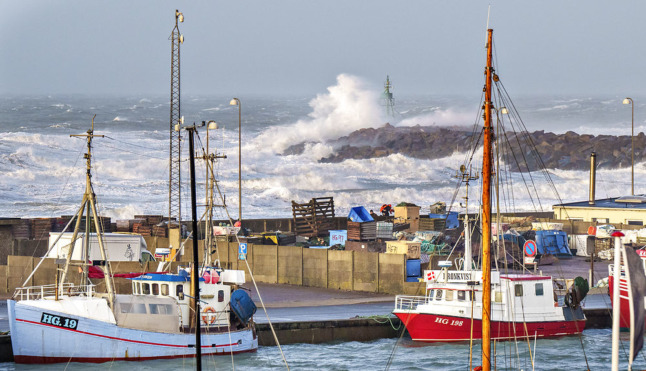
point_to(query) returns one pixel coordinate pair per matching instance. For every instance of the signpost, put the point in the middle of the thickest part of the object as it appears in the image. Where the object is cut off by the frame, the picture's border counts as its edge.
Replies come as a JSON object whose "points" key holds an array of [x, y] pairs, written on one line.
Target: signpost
{"points": [[242, 251], [530, 253]]}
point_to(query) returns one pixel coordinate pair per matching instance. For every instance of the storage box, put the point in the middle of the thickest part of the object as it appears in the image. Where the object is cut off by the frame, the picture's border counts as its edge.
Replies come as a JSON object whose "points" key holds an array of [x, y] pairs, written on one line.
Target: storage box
{"points": [[360, 214], [412, 249], [413, 267], [366, 231], [338, 237], [384, 230], [407, 212]]}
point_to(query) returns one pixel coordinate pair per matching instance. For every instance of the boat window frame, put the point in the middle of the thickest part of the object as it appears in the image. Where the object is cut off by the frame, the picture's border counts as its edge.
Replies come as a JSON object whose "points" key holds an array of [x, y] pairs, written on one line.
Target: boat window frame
{"points": [[538, 292], [154, 288], [448, 296], [430, 295], [164, 289], [518, 290], [145, 288], [462, 295], [438, 294]]}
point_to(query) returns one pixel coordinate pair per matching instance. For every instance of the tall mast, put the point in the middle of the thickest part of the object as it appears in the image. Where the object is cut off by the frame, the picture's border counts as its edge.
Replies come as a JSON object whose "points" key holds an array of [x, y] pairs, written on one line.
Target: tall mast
{"points": [[388, 99], [486, 212], [174, 173]]}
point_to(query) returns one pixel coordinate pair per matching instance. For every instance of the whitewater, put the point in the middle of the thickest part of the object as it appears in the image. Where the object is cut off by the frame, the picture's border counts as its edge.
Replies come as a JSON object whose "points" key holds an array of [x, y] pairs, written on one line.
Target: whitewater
{"points": [[43, 168]]}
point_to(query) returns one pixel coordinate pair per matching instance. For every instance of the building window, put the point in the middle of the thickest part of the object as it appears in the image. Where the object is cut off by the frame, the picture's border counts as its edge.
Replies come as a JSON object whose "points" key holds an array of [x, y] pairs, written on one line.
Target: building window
{"points": [[600, 220], [635, 222], [576, 219], [539, 289], [518, 289]]}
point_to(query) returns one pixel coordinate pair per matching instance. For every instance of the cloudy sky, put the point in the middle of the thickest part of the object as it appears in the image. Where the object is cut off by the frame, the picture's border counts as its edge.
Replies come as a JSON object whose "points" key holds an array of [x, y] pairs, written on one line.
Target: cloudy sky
{"points": [[299, 47]]}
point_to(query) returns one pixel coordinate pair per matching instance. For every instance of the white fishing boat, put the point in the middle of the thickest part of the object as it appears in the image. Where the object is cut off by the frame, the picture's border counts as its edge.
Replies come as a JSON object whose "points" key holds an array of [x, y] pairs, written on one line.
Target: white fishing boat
{"points": [[164, 317]]}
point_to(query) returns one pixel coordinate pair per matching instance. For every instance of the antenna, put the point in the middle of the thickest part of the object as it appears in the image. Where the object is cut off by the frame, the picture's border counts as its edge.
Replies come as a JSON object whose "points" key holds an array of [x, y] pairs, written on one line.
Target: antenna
{"points": [[488, 15], [387, 97]]}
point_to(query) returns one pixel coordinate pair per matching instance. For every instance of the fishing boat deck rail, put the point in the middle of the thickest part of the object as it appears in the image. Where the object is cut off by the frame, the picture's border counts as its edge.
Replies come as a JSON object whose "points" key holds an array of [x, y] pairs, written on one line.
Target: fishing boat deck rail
{"points": [[403, 302], [45, 291]]}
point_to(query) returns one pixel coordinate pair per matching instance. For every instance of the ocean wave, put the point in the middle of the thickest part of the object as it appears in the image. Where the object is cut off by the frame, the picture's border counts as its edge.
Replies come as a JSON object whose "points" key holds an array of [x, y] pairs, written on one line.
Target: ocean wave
{"points": [[119, 118]]}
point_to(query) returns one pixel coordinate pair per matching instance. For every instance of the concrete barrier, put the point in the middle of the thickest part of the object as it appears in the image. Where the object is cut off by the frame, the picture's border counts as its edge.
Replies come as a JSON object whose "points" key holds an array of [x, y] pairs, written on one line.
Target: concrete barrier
{"points": [[290, 265], [339, 269], [315, 264], [265, 259], [392, 273], [366, 271]]}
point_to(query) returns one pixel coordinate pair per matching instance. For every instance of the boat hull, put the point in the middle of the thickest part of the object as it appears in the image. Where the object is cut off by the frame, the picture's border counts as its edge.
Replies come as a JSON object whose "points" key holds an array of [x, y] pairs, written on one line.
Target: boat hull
{"points": [[430, 328], [36, 341]]}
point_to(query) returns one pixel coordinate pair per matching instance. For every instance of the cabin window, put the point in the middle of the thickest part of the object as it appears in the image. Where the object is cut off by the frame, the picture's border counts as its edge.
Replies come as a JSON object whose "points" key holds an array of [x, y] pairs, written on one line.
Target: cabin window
{"points": [[438, 294], [125, 307], [146, 287], [164, 289], [518, 289], [461, 295], [539, 289], [430, 294], [135, 288], [155, 289], [220, 296], [179, 292], [449, 295], [160, 308], [497, 296], [138, 308]]}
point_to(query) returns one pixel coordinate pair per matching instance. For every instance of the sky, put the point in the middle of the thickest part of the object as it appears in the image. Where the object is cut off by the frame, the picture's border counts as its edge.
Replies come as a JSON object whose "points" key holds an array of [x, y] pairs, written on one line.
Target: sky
{"points": [[286, 47]]}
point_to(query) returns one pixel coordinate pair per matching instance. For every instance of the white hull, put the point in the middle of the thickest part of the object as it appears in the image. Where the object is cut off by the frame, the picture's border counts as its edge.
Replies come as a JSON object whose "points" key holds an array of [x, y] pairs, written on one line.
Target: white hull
{"points": [[35, 341]]}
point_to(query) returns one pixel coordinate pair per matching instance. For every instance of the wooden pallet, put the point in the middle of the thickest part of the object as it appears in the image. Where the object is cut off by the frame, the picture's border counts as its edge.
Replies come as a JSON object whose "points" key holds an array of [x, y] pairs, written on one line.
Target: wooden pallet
{"points": [[365, 231], [314, 218]]}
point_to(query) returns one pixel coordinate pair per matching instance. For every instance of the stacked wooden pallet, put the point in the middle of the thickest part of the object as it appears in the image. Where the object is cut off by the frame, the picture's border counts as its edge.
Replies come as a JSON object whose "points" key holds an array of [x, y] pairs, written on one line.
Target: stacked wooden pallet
{"points": [[124, 225], [314, 218], [159, 230], [362, 231], [432, 224], [41, 228], [142, 229], [22, 229]]}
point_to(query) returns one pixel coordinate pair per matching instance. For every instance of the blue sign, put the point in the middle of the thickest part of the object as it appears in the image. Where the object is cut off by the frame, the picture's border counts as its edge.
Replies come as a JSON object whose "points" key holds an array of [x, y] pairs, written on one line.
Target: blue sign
{"points": [[242, 251], [530, 248]]}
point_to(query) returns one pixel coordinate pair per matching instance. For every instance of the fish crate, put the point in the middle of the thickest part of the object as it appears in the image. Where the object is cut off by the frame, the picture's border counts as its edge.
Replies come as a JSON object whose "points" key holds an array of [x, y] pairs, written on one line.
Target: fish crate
{"points": [[366, 231], [124, 225], [142, 229], [384, 230], [21, 230], [151, 219], [412, 249], [432, 224]]}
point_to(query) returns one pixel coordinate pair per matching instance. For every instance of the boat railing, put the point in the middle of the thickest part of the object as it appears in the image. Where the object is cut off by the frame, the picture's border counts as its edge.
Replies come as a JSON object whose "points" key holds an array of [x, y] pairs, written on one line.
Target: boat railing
{"points": [[403, 302], [49, 291]]}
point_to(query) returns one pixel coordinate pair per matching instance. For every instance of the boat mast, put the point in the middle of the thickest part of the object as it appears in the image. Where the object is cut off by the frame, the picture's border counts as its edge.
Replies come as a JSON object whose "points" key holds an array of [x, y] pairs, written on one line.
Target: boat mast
{"points": [[89, 202], [195, 288], [486, 212]]}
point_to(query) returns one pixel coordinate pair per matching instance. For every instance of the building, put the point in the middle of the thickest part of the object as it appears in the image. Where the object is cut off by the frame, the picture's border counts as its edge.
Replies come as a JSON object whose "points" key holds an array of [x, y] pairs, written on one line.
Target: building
{"points": [[629, 210]]}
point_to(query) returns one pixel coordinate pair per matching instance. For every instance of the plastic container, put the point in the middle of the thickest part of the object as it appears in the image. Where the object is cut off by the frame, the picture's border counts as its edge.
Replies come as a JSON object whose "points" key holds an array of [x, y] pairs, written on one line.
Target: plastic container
{"points": [[413, 267], [412, 279], [242, 305], [359, 214], [338, 237]]}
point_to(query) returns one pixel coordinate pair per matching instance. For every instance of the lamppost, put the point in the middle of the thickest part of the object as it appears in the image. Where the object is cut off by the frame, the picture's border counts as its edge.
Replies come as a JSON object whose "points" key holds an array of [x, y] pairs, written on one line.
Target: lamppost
{"points": [[632, 145], [236, 102]]}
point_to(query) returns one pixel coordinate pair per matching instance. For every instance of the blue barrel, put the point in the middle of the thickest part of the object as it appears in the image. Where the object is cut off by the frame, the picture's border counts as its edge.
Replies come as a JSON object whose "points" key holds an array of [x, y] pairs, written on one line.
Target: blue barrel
{"points": [[413, 268], [242, 305]]}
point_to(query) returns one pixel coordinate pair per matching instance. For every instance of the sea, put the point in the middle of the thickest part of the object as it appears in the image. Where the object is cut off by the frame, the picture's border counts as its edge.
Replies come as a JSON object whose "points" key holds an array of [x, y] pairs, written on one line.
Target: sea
{"points": [[43, 175], [43, 167]]}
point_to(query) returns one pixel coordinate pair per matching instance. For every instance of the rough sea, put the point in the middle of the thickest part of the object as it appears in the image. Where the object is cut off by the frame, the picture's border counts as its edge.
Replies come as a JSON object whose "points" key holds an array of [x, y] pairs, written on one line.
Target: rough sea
{"points": [[42, 167]]}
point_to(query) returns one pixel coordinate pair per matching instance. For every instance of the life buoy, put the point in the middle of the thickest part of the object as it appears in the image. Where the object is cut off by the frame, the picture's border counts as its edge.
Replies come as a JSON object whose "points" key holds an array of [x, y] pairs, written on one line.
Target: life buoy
{"points": [[206, 318]]}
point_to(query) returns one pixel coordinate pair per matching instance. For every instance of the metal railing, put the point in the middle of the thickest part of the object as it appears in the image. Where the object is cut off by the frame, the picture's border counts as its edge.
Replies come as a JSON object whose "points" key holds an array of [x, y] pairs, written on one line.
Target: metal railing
{"points": [[403, 302], [49, 291]]}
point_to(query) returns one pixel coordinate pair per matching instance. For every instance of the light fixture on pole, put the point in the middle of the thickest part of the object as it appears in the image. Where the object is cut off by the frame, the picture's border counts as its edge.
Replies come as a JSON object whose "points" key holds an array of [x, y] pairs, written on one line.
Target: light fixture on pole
{"points": [[236, 102], [632, 145]]}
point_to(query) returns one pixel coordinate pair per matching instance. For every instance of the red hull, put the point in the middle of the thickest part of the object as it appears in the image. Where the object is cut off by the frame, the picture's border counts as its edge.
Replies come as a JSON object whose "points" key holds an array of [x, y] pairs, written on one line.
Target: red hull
{"points": [[436, 328]]}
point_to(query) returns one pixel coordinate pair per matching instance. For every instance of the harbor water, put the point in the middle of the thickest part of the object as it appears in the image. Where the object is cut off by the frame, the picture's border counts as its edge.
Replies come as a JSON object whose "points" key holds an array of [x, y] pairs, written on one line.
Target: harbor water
{"points": [[395, 354]]}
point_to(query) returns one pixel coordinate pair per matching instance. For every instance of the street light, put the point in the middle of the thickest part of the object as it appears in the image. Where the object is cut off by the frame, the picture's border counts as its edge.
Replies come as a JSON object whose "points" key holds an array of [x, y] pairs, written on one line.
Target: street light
{"points": [[236, 102], [632, 145]]}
